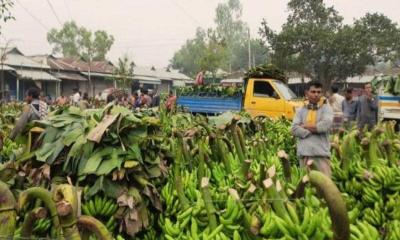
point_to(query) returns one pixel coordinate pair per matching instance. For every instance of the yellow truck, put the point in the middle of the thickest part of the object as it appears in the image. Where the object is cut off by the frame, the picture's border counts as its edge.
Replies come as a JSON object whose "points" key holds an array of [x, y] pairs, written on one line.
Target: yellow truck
{"points": [[261, 97]]}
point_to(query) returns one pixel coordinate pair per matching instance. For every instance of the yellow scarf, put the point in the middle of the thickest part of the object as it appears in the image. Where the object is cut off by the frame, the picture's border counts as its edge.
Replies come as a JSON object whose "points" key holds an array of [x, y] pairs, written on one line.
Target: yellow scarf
{"points": [[311, 118]]}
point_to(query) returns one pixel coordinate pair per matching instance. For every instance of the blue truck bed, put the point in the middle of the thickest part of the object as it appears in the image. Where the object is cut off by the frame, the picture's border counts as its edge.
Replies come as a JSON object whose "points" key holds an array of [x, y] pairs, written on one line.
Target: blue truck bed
{"points": [[210, 105]]}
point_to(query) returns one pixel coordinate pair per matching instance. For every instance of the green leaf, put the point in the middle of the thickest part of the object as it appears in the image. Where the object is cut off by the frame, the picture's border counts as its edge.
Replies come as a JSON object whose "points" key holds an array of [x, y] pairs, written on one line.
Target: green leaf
{"points": [[71, 136], [112, 189], [108, 165], [94, 161], [44, 152], [97, 186], [134, 153], [59, 146]]}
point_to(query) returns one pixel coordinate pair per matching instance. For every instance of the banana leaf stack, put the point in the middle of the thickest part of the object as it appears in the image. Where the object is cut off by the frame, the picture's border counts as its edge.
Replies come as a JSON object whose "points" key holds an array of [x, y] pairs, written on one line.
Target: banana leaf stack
{"points": [[266, 71], [111, 152], [391, 84], [209, 91]]}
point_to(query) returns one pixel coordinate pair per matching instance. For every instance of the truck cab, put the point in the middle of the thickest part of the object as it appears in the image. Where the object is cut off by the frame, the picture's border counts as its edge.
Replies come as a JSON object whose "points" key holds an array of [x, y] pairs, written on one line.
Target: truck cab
{"points": [[270, 98]]}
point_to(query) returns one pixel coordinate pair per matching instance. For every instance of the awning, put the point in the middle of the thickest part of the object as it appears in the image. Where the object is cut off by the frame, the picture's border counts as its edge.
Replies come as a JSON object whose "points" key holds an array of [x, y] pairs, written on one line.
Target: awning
{"points": [[69, 76], [147, 80], [6, 68], [36, 75], [96, 74]]}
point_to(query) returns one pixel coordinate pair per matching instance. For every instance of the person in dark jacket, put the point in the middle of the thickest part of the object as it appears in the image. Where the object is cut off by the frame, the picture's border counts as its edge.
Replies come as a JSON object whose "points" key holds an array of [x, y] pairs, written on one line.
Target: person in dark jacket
{"points": [[368, 109], [34, 110]]}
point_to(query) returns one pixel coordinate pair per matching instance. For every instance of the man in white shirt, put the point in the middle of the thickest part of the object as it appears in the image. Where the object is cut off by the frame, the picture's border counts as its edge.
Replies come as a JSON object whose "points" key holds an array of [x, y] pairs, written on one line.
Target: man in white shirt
{"points": [[76, 97], [336, 101]]}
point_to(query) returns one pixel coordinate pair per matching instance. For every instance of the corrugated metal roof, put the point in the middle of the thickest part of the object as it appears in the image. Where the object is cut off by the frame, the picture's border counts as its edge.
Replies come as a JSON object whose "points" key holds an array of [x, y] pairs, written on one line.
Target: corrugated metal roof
{"points": [[15, 58], [69, 76], [36, 75], [160, 73]]}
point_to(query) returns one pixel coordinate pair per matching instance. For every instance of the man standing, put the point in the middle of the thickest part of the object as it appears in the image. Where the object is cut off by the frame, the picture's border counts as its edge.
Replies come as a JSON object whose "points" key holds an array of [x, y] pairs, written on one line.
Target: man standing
{"points": [[336, 100], [311, 126], [76, 97], [171, 102], [368, 109], [349, 108], [34, 110]]}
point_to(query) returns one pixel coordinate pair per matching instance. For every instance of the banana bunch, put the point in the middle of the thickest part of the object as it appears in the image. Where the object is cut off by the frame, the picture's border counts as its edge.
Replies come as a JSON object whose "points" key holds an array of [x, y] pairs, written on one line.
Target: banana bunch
{"points": [[231, 218], [393, 230], [363, 230], [375, 216], [189, 181], [391, 206], [170, 198], [9, 147], [311, 226], [42, 226], [370, 196], [102, 208], [220, 176]]}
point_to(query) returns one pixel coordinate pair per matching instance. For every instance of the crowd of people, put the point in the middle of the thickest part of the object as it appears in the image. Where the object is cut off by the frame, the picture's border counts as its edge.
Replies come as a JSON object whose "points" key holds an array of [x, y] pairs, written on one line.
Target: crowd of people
{"points": [[143, 98], [37, 105], [350, 109]]}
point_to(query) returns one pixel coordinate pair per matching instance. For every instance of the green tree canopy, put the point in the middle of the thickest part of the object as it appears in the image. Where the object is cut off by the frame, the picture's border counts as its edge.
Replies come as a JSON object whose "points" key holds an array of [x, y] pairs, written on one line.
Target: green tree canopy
{"points": [[314, 42], [124, 71], [225, 46], [74, 41]]}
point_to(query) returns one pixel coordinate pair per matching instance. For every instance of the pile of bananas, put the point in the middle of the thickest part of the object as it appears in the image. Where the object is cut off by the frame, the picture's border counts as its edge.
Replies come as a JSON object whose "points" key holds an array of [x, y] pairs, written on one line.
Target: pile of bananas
{"points": [[367, 172], [217, 189]]}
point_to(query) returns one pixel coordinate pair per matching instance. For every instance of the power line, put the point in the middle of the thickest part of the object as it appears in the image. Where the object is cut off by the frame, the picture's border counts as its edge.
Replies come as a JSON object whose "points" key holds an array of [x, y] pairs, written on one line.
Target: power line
{"points": [[186, 13], [54, 12], [33, 16]]}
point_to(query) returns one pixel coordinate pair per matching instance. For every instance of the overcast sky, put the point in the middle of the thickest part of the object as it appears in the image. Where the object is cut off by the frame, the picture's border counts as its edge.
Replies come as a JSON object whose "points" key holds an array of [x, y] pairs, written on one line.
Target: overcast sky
{"points": [[150, 31]]}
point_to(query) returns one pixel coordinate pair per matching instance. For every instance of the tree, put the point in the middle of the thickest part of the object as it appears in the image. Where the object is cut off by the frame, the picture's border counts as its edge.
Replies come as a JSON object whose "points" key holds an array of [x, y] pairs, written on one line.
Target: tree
{"points": [[74, 41], [234, 33], [379, 35], [187, 59], [124, 71], [5, 10], [315, 43], [224, 47]]}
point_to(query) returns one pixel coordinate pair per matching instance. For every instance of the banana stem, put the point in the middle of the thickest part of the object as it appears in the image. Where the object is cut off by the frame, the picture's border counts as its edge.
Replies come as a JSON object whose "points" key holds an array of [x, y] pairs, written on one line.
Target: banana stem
{"points": [[178, 178], [205, 192], [223, 154], [29, 221], [8, 215], [45, 196], [95, 226], [236, 142], [335, 203], [287, 172], [66, 199], [275, 198]]}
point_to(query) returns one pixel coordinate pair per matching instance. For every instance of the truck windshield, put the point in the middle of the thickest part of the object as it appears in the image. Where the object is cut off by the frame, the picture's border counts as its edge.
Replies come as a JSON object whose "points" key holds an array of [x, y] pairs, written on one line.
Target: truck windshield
{"points": [[285, 91]]}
